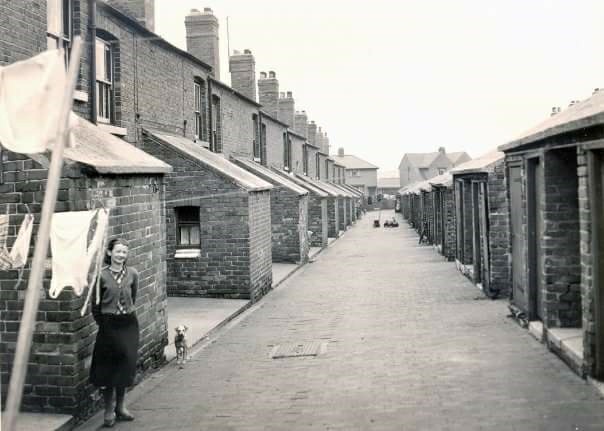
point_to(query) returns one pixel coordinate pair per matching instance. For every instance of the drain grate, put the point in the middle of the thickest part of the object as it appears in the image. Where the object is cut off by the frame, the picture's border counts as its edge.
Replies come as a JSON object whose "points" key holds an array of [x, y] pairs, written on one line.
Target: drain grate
{"points": [[296, 350]]}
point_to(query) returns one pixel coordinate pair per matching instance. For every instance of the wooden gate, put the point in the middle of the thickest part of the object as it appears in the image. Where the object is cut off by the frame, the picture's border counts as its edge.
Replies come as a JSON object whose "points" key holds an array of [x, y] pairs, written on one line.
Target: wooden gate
{"points": [[519, 296]]}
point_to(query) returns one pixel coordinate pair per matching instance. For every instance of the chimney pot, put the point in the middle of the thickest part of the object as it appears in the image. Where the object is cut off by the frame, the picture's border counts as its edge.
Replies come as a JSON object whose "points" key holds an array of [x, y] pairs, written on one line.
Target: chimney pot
{"points": [[289, 94], [236, 52], [341, 152], [194, 11], [272, 74], [441, 150], [262, 75], [247, 51], [282, 94], [207, 10]]}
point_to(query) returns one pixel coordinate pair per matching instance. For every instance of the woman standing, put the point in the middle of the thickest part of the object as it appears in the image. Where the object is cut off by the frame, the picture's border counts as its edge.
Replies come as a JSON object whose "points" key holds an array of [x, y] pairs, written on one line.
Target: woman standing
{"points": [[115, 353]]}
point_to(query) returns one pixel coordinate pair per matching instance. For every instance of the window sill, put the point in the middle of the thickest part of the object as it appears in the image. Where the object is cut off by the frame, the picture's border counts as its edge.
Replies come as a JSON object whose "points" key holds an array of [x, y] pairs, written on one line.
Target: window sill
{"points": [[80, 96], [114, 130], [187, 253]]}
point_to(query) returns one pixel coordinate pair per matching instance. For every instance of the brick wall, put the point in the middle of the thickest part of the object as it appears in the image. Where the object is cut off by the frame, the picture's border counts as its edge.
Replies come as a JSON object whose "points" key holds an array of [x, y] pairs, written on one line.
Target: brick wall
{"points": [[499, 232], [342, 214], [155, 82], [224, 268], [332, 212], [288, 220], [274, 142], [450, 224], [561, 240], [312, 163], [57, 379], [237, 124], [261, 269], [587, 270], [317, 221], [298, 154]]}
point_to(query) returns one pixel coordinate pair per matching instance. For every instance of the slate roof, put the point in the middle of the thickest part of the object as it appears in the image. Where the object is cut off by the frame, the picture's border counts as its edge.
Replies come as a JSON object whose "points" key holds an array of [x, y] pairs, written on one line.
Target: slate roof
{"points": [[108, 154], [331, 191], [587, 113], [347, 193], [480, 164], [353, 162], [301, 183], [352, 190], [424, 160], [214, 161], [416, 188], [270, 176]]}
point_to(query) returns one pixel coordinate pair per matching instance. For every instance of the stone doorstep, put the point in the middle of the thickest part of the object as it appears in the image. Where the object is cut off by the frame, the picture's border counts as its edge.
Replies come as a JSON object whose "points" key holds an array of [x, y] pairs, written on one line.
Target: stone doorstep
{"points": [[568, 344], [44, 422], [536, 330]]}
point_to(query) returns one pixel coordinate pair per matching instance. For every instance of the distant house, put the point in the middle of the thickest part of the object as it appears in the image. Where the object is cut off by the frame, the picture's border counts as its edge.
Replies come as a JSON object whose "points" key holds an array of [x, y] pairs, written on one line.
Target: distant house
{"points": [[422, 166], [388, 185], [359, 173]]}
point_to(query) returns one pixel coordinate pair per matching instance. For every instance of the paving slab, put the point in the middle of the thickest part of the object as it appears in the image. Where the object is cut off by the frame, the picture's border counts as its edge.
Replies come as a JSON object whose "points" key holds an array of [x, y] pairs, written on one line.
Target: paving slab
{"points": [[200, 315], [43, 422]]}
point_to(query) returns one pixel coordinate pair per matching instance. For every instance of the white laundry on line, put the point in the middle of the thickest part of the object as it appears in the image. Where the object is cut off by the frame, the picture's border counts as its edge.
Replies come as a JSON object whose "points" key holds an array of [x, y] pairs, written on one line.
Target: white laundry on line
{"points": [[30, 92], [71, 257]]}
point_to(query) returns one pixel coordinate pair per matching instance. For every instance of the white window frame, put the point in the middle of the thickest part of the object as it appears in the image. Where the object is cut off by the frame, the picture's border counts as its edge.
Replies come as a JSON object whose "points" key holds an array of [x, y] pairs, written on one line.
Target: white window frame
{"points": [[198, 103], [59, 26], [104, 80]]}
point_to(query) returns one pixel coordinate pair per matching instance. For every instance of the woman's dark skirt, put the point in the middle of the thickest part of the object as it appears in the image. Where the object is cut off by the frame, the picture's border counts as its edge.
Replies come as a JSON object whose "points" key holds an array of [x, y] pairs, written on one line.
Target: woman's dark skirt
{"points": [[115, 352]]}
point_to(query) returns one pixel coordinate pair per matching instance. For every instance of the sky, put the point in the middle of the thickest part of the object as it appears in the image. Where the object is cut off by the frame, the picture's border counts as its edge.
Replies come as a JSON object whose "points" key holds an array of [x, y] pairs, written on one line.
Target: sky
{"points": [[384, 78]]}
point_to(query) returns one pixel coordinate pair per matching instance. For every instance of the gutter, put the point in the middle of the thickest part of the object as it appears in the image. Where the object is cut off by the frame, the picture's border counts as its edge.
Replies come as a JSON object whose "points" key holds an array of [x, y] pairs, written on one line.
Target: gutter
{"points": [[92, 60]]}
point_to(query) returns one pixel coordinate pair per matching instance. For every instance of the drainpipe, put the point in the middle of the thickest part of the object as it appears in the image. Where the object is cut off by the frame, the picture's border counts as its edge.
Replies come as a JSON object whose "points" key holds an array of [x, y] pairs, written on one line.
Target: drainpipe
{"points": [[92, 60], [210, 131]]}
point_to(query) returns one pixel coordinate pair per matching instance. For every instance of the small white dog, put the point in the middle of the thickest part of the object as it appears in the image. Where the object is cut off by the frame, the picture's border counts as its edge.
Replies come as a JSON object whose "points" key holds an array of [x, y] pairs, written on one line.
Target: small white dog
{"points": [[181, 345]]}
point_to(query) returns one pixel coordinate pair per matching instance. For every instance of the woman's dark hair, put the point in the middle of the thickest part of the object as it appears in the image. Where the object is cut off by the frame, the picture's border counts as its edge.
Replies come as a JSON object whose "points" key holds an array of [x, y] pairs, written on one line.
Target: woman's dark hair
{"points": [[110, 246]]}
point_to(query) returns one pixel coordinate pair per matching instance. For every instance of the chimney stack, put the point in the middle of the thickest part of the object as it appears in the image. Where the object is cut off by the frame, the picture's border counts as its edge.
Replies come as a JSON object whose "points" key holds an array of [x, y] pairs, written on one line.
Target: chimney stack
{"points": [[300, 121], [243, 73], [311, 131], [141, 10], [555, 110], [341, 152], [202, 38], [287, 109], [326, 143], [268, 93], [319, 140], [596, 90], [441, 150]]}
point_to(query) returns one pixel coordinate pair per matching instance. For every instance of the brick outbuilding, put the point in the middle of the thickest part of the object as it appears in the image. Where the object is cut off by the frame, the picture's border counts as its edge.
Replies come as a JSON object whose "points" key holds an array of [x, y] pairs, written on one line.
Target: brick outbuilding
{"points": [[218, 222], [482, 218], [444, 215], [555, 195], [289, 214], [358, 198], [334, 216], [317, 210], [101, 171]]}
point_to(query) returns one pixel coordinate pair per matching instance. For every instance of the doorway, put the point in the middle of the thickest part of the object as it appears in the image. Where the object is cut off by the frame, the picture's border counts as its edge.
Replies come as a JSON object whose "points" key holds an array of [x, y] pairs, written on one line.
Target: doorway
{"points": [[596, 175], [535, 230], [519, 296]]}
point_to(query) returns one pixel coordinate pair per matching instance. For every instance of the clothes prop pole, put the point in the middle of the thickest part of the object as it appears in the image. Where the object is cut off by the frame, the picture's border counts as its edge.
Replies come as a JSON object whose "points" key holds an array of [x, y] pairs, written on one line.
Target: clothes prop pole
{"points": [[34, 285]]}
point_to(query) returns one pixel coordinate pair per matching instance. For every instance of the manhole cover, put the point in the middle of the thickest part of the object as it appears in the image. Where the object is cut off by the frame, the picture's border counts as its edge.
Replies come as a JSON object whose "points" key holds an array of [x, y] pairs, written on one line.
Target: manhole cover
{"points": [[313, 348]]}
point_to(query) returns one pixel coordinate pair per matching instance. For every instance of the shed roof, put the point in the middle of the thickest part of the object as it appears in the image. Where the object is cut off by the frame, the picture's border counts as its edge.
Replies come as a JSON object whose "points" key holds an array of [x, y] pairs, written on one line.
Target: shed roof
{"points": [[587, 113], [292, 177], [108, 154], [270, 176], [353, 162], [416, 188], [321, 185], [214, 161], [347, 193], [352, 190], [480, 164], [445, 180]]}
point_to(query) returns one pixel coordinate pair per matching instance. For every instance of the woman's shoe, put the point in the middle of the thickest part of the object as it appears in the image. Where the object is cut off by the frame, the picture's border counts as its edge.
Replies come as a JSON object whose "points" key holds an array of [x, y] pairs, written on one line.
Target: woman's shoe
{"points": [[109, 421], [124, 415]]}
